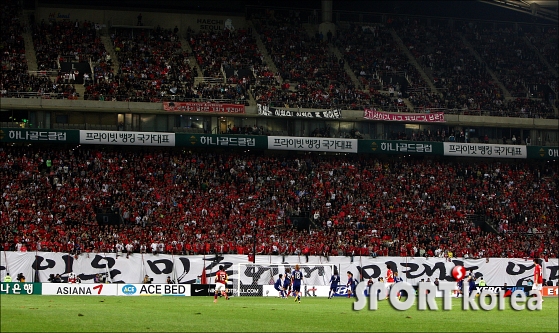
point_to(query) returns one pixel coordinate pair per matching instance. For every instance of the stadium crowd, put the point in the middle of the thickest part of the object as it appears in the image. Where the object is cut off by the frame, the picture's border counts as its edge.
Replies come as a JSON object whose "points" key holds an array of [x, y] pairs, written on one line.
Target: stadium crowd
{"points": [[55, 40], [372, 52], [152, 66], [310, 73], [546, 41], [508, 52], [462, 81], [172, 201], [16, 80], [11, 40], [227, 48]]}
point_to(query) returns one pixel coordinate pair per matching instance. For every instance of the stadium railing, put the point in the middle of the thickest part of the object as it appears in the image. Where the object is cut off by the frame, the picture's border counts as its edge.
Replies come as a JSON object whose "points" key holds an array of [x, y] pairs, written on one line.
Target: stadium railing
{"points": [[159, 99], [25, 94], [43, 73]]}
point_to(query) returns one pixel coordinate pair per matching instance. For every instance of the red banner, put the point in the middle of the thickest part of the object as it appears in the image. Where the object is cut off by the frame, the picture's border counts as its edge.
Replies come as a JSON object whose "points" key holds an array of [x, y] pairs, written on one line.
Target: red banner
{"points": [[550, 291], [203, 107], [436, 117]]}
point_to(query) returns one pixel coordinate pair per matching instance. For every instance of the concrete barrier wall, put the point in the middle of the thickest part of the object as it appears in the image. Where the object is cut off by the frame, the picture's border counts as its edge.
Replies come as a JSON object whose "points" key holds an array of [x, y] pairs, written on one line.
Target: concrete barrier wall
{"points": [[251, 111], [197, 22]]}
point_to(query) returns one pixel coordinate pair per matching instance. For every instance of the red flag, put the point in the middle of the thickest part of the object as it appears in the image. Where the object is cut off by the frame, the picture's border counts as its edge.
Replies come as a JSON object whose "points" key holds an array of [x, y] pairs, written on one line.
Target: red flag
{"points": [[203, 280]]}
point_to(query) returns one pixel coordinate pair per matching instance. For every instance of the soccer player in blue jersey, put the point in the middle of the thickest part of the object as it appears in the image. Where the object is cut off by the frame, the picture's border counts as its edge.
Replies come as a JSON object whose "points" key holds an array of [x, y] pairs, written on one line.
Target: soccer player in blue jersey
{"points": [[397, 279], [471, 278], [297, 277], [460, 288], [351, 283], [334, 281], [278, 285], [287, 282]]}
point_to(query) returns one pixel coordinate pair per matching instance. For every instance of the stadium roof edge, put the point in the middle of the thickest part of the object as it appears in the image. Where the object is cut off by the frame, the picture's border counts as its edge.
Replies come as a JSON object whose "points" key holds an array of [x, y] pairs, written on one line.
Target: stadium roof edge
{"points": [[538, 8]]}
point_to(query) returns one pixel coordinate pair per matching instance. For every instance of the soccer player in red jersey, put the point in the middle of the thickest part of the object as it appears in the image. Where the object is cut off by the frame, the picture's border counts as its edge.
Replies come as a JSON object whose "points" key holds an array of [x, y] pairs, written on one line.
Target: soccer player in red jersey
{"points": [[389, 278], [538, 276], [220, 283]]}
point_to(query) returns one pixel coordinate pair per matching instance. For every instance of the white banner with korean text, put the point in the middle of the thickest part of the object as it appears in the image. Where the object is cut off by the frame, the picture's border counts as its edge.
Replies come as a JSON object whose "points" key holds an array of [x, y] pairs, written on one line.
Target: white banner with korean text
{"points": [[183, 269], [264, 110], [312, 144], [484, 150], [127, 138]]}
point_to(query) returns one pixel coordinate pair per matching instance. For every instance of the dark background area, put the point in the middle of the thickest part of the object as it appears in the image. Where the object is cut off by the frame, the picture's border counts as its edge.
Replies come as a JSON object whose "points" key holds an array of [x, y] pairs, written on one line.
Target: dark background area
{"points": [[459, 9]]}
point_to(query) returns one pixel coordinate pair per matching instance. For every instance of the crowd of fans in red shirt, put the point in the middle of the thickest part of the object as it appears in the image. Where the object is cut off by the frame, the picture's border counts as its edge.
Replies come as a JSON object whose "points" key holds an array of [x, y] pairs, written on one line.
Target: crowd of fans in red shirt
{"points": [[310, 74], [179, 202]]}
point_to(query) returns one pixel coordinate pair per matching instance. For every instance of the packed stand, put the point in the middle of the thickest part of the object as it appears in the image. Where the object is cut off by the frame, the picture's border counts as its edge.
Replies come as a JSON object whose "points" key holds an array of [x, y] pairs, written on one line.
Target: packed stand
{"points": [[153, 67], [228, 48], [41, 86], [507, 53], [463, 82], [227, 51], [12, 45], [313, 77], [178, 202], [98, 85], [360, 53], [16, 82], [372, 53], [546, 41], [67, 41]]}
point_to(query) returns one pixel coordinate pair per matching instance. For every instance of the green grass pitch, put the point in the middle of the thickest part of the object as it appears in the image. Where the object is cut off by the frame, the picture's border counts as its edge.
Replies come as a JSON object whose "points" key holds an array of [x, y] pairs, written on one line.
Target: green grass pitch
{"points": [[255, 314]]}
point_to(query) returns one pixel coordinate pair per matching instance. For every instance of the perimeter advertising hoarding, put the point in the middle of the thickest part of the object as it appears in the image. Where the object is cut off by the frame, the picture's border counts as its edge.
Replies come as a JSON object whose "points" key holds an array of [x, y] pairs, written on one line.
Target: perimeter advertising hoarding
{"points": [[400, 147], [84, 289], [133, 289]]}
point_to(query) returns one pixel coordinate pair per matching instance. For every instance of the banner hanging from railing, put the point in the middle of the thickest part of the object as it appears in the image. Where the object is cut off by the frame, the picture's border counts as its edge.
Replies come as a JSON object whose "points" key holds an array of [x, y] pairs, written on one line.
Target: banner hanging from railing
{"points": [[435, 117], [127, 138], [543, 152], [184, 269], [400, 147], [312, 144], [264, 110], [38, 135], [203, 107], [223, 140], [484, 150]]}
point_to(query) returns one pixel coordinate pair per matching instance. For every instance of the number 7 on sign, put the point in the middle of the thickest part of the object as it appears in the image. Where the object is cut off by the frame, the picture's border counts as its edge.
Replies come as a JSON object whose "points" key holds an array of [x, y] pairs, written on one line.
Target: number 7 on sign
{"points": [[100, 287]]}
